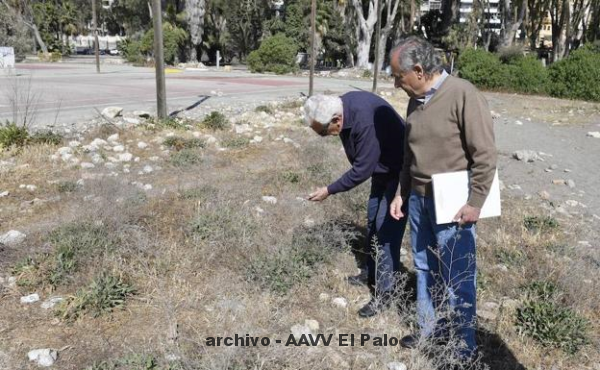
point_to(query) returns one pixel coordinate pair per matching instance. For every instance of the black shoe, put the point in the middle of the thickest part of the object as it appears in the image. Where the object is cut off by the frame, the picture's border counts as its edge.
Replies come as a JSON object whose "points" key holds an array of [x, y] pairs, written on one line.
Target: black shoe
{"points": [[375, 306], [358, 280]]}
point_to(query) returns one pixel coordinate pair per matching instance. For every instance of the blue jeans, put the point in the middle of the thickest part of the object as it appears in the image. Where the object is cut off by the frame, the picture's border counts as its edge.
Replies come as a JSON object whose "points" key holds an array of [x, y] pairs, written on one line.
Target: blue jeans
{"points": [[384, 236], [445, 264]]}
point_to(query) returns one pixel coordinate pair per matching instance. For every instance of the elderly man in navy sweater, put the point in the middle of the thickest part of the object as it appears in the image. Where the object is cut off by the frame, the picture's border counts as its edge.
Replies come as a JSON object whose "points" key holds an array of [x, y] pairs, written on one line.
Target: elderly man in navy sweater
{"points": [[372, 134]]}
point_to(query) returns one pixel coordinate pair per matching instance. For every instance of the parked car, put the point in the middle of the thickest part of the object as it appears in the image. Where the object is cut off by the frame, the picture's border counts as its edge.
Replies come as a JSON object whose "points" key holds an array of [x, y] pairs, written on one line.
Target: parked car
{"points": [[114, 52]]}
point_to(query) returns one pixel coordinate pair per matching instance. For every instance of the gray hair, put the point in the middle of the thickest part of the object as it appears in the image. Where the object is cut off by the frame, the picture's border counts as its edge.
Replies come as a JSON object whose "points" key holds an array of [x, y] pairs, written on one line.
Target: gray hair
{"points": [[414, 50], [322, 108]]}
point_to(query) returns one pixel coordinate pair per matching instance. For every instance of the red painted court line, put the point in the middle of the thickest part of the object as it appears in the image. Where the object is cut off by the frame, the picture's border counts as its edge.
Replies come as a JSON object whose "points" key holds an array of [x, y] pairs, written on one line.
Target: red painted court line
{"points": [[242, 81], [38, 66]]}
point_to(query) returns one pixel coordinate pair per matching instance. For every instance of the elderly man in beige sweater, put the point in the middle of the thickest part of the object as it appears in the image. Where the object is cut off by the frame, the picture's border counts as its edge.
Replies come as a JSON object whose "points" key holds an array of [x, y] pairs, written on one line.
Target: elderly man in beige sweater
{"points": [[449, 128]]}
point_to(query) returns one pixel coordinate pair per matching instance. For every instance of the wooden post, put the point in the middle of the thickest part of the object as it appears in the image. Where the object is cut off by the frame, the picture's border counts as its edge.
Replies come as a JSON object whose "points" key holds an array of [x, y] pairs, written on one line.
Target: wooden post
{"points": [[313, 49], [159, 60], [95, 30], [377, 38]]}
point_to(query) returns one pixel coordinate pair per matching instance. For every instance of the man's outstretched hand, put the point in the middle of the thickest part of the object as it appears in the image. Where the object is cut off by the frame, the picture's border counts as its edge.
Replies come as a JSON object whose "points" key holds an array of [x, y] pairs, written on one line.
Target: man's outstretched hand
{"points": [[396, 208], [319, 195]]}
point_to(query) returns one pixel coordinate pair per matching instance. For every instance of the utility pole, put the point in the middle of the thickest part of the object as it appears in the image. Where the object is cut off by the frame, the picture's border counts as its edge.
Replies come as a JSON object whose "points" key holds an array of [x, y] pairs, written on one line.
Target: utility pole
{"points": [[377, 38], [313, 49], [95, 30], [159, 60]]}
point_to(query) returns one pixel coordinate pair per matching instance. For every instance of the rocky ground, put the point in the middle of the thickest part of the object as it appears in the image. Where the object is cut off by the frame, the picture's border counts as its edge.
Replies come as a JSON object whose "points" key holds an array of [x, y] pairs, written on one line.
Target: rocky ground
{"points": [[242, 189]]}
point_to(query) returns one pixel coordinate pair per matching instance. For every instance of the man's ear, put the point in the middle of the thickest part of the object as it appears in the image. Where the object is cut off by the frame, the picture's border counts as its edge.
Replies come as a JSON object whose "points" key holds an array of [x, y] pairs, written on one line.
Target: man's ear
{"points": [[419, 71]]}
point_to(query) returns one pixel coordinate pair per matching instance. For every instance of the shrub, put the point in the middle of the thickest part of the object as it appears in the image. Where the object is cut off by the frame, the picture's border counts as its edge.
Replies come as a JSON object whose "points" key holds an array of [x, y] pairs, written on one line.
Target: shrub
{"points": [[179, 143], [66, 186], [103, 295], [215, 121], [275, 54], [264, 108], [527, 75], [132, 51], [367, 73], [238, 142], [13, 135], [545, 320], [577, 76], [186, 157], [173, 38], [46, 137], [73, 243], [537, 223], [510, 54], [482, 68]]}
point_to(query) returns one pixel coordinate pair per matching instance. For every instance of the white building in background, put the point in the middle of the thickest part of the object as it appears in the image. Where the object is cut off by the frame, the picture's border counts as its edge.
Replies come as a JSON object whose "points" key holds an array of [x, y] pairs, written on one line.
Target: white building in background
{"points": [[491, 11]]}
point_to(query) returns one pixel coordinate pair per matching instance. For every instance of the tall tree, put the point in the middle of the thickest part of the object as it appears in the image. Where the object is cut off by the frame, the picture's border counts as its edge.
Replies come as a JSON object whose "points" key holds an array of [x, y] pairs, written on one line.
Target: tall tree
{"points": [[195, 10], [390, 20], [22, 11], [366, 26], [560, 15], [513, 15], [537, 13]]}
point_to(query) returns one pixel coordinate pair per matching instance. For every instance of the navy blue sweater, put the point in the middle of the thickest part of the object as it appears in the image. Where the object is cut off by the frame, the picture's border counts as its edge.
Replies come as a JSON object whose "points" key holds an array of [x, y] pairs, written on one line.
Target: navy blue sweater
{"points": [[372, 135]]}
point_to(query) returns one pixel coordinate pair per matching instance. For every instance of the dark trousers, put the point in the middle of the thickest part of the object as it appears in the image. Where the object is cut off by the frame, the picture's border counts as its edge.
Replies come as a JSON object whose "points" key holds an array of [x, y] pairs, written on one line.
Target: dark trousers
{"points": [[385, 234]]}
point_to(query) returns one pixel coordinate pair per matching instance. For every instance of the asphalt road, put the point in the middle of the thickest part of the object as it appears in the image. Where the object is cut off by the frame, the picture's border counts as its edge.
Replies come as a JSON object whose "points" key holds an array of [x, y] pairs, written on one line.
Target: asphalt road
{"points": [[68, 93]]}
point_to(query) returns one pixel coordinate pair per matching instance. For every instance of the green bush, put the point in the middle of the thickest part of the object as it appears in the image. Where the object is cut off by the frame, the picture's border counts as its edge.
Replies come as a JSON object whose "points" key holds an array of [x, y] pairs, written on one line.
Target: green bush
{"points": [[132, 51], [179, 143], [215, 121], [482, 68], [13, 135], [238, 142], [103, 295], [543, 318], [527, 75], [577, 76], [537, 223], [186, 157], [275, 54], [46, 137], [173, 39]]}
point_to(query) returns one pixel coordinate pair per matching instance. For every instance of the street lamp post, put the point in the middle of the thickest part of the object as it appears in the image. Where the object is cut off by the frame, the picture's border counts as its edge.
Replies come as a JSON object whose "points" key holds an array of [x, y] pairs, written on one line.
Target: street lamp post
{"points": [[95, 30], [159, 61], [313, 49]]}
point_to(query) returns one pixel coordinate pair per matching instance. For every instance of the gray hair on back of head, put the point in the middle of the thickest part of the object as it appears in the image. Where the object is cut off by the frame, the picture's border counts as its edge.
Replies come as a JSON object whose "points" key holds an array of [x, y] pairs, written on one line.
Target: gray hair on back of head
{"points": [[322, 108], [414, 50]]}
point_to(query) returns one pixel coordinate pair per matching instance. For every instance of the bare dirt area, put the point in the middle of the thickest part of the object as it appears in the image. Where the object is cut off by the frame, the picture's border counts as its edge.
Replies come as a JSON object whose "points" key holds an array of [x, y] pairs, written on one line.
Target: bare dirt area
{"points": [[142, 241]]}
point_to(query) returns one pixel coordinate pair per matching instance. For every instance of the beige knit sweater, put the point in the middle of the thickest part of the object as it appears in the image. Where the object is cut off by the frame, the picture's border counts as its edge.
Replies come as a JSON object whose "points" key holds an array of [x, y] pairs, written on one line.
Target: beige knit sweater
{"points": [[452, 132]]}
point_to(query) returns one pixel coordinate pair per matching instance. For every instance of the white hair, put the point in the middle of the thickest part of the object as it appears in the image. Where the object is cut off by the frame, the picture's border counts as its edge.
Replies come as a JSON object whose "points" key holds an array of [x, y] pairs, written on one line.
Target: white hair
{"points": [[322, 108]]}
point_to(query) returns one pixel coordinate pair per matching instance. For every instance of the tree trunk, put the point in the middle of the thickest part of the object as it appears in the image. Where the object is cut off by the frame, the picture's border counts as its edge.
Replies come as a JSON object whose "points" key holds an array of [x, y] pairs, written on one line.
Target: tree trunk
{"points": [[194, 10], [38, 37], [391, 7], [366, 32], [450, 14], [560, 29]]}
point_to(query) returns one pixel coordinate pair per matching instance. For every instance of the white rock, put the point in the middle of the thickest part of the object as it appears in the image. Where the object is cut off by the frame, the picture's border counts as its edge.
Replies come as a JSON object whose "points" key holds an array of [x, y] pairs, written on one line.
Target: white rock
{"points": [[170, 134], [113, 138], [80, 182], [397, 366], [89, 148], [572, 203], [309, 222], [256, 139], [32, 298], [299, 330], [31, 187], [97, 142], [527, 156], [148, 169], [50, 303], [118, 148], [142, 145], [211, 139], [269, 199], [74, 144], [4, 194], [97, 158], [323, 297], [594, 134], [242, 129], [154, 159], [43, 357], [147, 187], [87, 165], [571, 183], [259, 210], [110, 165], [132, 121], [12, 238], [112, 112], [340, 302], [125, 157], [518, 123], [313, 325], [65, 150]]}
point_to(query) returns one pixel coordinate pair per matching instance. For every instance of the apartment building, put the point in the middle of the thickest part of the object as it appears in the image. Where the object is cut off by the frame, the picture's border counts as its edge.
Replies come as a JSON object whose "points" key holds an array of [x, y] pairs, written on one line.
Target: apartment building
{"points": [[491, 11]]}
